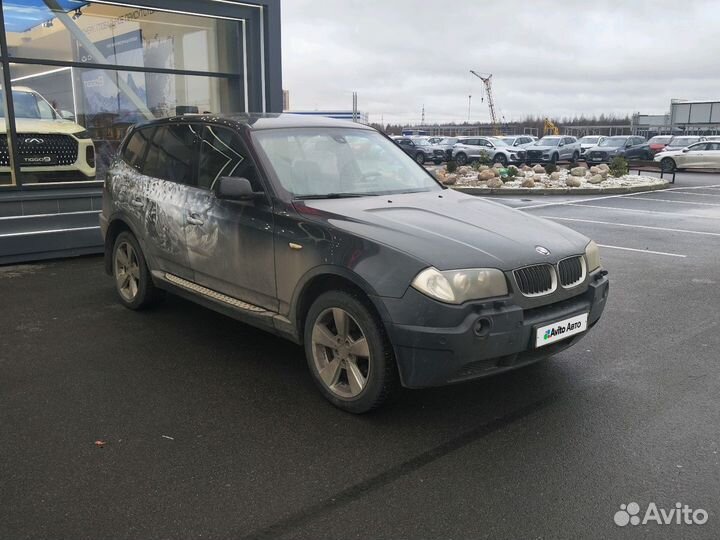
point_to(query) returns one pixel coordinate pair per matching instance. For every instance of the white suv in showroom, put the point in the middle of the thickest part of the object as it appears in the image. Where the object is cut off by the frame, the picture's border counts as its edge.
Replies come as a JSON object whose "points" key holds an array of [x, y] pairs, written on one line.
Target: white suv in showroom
{"points": [[50, 148]]}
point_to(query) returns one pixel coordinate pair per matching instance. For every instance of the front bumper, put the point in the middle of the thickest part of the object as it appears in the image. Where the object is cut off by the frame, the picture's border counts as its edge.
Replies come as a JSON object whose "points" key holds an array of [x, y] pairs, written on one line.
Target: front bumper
{"points": [[489, 337]]}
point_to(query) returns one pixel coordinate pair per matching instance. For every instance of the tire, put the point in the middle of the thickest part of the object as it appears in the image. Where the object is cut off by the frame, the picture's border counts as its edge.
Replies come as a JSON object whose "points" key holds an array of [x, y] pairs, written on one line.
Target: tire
{"points": [[461, 158], [133, 281], [420, 158], [353, 377], [575, 157], [668, 164], [554, 159], [437, 161], [501, 159]]}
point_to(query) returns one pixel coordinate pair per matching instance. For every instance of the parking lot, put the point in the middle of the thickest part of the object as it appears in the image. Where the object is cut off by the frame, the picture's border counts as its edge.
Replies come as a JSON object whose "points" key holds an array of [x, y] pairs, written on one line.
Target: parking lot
{"points": [[213, 429]]}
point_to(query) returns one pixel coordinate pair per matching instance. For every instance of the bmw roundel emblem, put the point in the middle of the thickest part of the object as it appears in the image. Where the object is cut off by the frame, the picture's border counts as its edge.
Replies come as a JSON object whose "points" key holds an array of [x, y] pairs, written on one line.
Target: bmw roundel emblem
{"points": [[542, 251]]}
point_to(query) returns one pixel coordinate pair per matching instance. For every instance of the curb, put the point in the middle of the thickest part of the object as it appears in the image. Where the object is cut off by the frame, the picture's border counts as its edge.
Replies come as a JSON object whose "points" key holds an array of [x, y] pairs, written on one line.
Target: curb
{"points": [[473, 190]]}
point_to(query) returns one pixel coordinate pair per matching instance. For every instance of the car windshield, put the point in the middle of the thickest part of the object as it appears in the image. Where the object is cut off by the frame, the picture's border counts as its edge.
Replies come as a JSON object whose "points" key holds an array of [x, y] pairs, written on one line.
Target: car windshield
{"points": [[325, 163], [28, 105], [499, 142], [659, 140], [548, 141], [421, 142], [683, 141], [589, 140], [613, 142], [508, 140], [449, 141]]}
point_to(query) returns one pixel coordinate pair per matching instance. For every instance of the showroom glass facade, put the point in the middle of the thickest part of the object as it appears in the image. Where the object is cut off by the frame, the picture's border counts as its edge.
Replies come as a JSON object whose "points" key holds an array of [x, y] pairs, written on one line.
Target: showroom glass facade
{"points": [[82, 72]]}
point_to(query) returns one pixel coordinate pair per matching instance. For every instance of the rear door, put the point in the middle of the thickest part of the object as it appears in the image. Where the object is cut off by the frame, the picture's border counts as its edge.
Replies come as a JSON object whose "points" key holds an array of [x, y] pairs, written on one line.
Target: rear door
{"points": [[713, 155], [170, 165], [230, 243]]}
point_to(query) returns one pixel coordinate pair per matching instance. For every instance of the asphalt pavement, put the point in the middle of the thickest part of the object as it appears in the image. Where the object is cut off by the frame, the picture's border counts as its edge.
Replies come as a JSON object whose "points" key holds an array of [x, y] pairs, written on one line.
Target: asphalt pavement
{"points": [[181, 423]]}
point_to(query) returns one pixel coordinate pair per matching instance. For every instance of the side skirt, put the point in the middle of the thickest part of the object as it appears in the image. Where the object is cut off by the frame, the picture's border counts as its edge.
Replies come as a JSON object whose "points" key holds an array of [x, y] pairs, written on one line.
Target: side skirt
{"points": [[240, 310]]}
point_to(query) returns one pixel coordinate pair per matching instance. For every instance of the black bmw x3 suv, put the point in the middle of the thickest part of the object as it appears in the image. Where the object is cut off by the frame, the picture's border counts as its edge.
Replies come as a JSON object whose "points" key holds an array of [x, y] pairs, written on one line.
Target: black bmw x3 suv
{"points": [[326, 233]]}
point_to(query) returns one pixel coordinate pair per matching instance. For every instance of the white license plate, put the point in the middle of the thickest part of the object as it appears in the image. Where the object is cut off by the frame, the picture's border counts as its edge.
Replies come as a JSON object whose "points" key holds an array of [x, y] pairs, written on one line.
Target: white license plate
{"points": [[596, 159], [557, 331]]}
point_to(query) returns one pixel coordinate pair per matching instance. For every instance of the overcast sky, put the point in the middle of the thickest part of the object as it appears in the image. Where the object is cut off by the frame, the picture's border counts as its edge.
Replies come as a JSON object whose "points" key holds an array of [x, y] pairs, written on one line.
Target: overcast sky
{"points": [[558, 58]]}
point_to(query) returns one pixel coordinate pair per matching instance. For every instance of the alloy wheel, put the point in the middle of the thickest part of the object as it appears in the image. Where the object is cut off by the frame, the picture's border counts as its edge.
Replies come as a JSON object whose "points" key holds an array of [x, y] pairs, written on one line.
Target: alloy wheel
{"points": [[127, 271], [341, 353]]}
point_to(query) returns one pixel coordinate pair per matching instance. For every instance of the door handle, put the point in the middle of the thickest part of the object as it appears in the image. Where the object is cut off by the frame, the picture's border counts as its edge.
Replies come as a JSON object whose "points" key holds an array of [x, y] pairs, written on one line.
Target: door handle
{"points": [[193, 219], [138, 203]]}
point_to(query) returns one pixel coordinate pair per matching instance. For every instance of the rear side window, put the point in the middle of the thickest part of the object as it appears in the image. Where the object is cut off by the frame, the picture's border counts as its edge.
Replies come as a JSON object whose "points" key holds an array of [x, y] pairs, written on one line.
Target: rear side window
{"points": [[222, 153], [172, 154], [134, 151]]}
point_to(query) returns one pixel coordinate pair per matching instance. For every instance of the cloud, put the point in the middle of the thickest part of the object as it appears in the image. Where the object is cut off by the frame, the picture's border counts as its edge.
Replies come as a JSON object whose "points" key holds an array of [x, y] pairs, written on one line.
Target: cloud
{"points": [[558, 58]]}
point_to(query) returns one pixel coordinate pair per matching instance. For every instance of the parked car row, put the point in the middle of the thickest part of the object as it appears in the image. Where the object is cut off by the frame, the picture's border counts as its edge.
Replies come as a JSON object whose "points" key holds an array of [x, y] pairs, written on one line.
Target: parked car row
{"points": [[516, 149]]}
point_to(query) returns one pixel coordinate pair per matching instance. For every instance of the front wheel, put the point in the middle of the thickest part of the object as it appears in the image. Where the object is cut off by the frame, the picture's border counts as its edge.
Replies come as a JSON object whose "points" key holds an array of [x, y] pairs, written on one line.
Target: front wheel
{"points": [[501, 159], [437, 161], [668, 164], [554, 159], [420, 158], [133, 282], [461, 158], [348, 353], [575, 157]]}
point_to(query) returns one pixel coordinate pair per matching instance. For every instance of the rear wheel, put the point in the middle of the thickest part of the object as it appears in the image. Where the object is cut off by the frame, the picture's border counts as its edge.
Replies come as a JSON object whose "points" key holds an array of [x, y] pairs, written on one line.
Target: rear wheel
{"points": [[668, 164], [348, 353], [133, 282], [461, 158], [501, 159]]}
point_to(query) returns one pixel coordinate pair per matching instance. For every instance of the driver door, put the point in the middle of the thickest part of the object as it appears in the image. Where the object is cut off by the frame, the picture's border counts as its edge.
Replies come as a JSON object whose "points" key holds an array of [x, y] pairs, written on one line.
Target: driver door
{"points": [[230, 243]]}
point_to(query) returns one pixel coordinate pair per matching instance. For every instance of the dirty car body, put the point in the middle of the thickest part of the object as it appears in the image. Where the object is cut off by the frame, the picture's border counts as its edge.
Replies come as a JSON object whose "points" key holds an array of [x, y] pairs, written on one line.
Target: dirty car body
{"points": [[458, 287]]}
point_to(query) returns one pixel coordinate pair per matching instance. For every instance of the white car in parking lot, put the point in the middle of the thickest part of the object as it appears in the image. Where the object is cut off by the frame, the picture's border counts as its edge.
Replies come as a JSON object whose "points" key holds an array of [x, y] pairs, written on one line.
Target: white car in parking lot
{"points": [[702, 155], [470, 149]]}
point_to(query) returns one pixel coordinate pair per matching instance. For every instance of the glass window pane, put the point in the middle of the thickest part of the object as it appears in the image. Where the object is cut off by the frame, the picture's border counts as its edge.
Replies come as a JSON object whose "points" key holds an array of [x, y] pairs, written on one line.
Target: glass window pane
{"points": [[172, 153], [6, 177], [70, 121], [120, 35], [222, 153]]}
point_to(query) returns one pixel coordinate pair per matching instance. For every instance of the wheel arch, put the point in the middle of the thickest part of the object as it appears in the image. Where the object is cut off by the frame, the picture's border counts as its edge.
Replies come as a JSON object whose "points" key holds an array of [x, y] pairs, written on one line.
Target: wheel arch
{"points": [[326, 278], [117, 225]]}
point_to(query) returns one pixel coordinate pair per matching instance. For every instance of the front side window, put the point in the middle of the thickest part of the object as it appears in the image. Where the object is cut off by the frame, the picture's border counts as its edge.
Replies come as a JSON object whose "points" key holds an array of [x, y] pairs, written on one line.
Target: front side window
{"points": [[319, 163], [172, 153], [222, 153]]}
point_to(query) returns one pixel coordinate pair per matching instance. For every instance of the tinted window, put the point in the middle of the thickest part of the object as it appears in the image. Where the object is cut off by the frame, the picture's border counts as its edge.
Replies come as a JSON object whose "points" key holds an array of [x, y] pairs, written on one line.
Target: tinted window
{"points": [[172, 154], [698, 147], [222, 153], [136, 146]]}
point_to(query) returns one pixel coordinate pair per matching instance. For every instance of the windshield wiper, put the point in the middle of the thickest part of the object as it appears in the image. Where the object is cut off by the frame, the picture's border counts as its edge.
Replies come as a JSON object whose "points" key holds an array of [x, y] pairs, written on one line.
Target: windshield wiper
{"points": [[334, 196]]}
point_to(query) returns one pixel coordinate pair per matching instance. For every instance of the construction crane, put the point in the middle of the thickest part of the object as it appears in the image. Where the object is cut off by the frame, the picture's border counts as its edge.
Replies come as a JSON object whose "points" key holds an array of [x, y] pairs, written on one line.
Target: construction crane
{"points": [[550, 128], [487, 81]]}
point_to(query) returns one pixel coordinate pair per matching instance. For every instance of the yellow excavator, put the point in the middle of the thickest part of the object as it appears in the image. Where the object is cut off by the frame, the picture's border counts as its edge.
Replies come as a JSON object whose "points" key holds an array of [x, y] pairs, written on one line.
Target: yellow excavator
{"points": [[550, 128]]}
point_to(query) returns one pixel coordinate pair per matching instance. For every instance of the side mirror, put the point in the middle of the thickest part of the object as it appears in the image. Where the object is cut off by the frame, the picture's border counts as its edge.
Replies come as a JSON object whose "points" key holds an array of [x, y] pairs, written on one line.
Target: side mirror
{"points": [[561, 144], [67, 115], [234, 188], [685, 150]]}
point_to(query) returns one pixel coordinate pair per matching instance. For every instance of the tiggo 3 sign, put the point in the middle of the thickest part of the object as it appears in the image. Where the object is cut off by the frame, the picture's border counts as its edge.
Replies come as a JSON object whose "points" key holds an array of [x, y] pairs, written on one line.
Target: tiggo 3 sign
{"points": [[680, 514]]}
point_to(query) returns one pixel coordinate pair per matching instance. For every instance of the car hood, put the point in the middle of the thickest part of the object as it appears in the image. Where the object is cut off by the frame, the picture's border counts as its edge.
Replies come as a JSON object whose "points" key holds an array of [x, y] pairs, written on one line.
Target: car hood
{"points": [[670, 153], [609, 149], [31, 125], [449, 230], [543, 148]]}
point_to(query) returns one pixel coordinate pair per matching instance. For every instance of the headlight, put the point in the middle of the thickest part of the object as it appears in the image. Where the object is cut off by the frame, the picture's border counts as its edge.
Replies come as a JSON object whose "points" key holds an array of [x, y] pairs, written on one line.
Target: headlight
{"points": [[592, 254], [458, 286], [84, 134]]}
